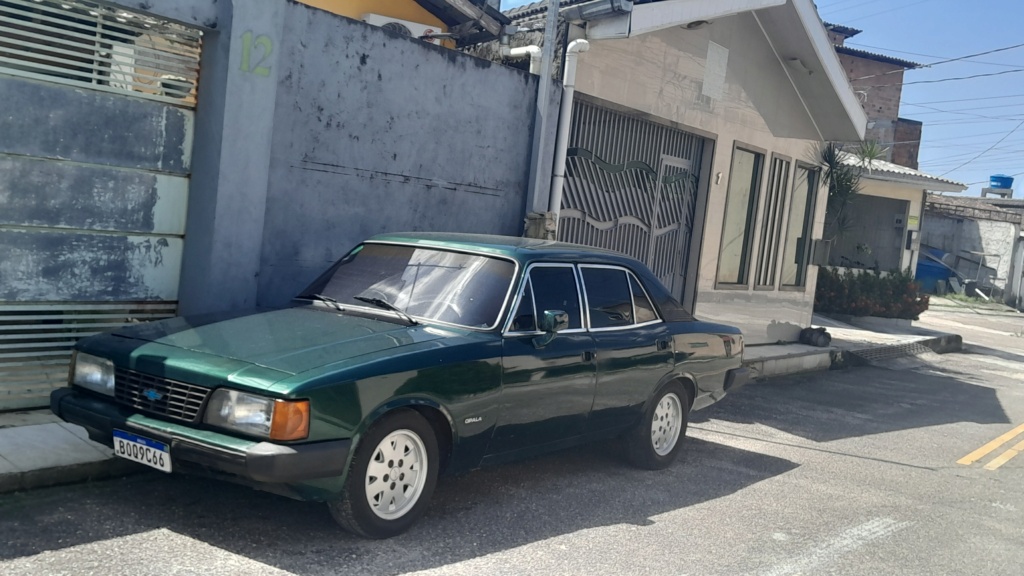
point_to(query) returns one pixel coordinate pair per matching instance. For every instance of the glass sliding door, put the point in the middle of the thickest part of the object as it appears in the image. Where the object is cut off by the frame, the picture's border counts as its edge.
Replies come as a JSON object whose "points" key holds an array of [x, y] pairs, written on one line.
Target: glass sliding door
{"points": [[798, 232], [740, 208]]}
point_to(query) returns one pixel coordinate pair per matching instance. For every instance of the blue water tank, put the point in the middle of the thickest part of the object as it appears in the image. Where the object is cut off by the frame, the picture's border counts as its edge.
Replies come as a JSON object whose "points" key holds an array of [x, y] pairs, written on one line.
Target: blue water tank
{"points": [[1001, 181]]}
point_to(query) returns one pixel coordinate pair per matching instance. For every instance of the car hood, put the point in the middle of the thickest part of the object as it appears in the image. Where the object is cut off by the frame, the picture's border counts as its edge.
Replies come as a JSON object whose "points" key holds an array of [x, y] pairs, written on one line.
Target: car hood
{"points": [[292, 340]]}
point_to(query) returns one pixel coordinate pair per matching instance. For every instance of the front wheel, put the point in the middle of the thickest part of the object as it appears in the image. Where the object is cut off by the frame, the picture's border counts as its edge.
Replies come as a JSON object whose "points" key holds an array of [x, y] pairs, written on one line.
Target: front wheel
{"points": [[655, 442], [392, 477]]}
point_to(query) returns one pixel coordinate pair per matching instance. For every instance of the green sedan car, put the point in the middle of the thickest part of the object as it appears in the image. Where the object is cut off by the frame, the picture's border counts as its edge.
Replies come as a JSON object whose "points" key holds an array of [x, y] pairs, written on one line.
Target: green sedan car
{"points": [[414, 355]]}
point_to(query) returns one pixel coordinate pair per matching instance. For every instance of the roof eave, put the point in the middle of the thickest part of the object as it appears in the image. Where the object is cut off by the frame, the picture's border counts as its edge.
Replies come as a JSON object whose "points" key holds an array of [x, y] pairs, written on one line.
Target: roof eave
{"points": [[919, 182], [824, 87]]}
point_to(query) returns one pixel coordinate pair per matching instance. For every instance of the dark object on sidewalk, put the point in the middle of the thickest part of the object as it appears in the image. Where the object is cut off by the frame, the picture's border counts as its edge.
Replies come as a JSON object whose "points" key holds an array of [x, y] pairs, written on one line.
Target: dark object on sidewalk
{"points": [[815, 337]]}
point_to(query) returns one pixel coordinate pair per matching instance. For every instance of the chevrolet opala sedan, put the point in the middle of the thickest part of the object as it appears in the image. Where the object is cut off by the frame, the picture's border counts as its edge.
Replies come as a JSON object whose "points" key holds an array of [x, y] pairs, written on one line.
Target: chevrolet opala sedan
{"points": [[414, 355]]}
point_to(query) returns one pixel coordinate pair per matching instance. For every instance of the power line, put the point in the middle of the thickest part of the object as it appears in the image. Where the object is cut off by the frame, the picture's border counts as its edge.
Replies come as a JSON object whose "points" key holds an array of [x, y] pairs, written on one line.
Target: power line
{"points": [[1003, 49], [832, 9], [946, 61], [889, 10], [945, 79], [931, 112], [986, 181], [925, 55], [960, 112], [998, 142], [966, 99]]}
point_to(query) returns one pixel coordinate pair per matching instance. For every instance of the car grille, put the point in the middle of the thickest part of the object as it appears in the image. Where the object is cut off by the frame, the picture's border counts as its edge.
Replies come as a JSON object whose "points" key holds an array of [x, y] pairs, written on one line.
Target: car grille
{"points": [[159, 396]]}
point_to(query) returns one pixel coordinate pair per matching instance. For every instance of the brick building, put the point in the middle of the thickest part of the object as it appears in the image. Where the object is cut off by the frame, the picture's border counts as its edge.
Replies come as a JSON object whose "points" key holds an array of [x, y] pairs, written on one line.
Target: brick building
{"points": [[878, 81]]}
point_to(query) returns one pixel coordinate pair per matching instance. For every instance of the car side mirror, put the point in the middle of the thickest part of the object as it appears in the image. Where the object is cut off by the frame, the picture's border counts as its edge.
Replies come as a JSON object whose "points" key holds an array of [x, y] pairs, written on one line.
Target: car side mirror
{"points": [[550, 322]]}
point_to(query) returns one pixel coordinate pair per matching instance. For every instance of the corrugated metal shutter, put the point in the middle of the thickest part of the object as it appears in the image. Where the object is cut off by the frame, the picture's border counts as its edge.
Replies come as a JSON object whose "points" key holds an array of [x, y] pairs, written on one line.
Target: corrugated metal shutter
{"points": [[95, 153]]}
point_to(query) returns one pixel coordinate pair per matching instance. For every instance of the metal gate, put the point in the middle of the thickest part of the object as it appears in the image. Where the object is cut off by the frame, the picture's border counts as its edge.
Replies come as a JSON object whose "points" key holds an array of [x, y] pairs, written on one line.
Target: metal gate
{"points": [[95, 151], [631, 186]]}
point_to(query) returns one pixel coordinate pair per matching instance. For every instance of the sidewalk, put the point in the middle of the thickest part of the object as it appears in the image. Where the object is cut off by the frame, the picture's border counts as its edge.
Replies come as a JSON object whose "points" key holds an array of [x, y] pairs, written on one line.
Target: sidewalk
{"points": [[37, 449], [851, 345]]}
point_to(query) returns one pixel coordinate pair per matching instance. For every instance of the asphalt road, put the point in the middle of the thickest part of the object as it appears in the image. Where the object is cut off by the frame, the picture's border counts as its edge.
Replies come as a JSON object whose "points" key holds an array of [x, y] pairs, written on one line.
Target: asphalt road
{"points": [[849, 472]]}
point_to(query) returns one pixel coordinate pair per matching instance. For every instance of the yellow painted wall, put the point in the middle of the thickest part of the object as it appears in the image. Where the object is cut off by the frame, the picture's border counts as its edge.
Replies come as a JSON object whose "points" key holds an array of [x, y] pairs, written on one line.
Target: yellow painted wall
{"points": [[400, 9]]}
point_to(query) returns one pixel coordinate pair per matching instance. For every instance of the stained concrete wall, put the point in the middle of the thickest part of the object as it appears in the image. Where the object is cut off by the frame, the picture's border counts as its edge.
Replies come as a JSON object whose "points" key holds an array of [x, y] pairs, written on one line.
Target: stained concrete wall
{"points": [[93, 205], [956, 235], [377, 133]]}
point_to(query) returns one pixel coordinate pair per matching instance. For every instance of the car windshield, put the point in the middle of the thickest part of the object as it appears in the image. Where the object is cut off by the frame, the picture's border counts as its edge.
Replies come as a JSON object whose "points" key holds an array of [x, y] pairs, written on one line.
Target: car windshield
{"points": [[426, 283]]}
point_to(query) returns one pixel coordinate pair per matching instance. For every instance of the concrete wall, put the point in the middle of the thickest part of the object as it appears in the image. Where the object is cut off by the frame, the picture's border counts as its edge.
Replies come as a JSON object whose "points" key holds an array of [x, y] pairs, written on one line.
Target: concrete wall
{"points": [[376, 133], [91, 206], [663, 74], [956, 235]]}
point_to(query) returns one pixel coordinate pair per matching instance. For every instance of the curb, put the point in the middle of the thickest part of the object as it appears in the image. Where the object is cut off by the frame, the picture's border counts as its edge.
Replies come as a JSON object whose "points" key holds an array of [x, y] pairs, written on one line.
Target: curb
{"points": [[72, 474], [795, 363], [838, 358]]}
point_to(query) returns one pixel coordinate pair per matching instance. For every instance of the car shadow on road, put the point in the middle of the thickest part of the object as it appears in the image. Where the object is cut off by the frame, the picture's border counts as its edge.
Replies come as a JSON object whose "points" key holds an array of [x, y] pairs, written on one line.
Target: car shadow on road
{"points": [[472, 515], [860, 402]]}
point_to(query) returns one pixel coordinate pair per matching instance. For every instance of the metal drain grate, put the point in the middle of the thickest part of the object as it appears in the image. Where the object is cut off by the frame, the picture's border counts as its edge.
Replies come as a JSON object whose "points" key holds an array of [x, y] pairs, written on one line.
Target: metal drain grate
{"points": [[882, 353]]}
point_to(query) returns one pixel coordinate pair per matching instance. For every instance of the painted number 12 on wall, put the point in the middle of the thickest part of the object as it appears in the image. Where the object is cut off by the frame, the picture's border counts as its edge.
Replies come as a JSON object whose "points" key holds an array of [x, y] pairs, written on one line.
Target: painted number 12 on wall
{"points": [[256, 54]]}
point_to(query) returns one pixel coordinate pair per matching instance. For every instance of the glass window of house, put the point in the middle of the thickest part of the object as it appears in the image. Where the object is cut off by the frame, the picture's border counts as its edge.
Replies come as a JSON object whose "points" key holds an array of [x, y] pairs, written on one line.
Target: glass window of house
{"points": [[737, 227], [798, 232], [771, 223]]}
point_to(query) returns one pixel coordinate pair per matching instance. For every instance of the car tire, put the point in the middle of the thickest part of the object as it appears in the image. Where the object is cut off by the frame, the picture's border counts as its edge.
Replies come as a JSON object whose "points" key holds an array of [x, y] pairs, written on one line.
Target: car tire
{"points": [[657, 439], [391, 478]]}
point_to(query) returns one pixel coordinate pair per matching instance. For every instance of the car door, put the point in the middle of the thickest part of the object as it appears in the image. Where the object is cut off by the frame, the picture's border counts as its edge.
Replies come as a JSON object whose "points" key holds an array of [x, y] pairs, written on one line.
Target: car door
{"points": [[547, 391], [634, 347]]}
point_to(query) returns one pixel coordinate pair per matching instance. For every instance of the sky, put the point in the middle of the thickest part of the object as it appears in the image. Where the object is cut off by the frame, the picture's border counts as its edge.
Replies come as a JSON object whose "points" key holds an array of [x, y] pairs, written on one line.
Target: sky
{"points": [[973, 128]]}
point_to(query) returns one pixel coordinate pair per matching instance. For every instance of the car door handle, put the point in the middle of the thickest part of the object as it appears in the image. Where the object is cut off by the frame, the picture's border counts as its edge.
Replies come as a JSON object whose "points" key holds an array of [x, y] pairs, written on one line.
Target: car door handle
{"points": [[664, 344], [589, 356]]}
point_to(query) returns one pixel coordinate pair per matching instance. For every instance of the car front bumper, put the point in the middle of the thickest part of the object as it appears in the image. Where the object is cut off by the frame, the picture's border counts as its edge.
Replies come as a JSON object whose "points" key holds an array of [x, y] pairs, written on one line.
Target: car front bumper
{"points": [[205, 450]]}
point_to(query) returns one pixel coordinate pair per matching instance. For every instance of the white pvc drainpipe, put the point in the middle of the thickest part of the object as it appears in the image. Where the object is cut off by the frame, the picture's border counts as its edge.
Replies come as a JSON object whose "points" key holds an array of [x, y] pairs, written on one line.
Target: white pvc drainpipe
{"points": [[534, 52], [564, 120]]}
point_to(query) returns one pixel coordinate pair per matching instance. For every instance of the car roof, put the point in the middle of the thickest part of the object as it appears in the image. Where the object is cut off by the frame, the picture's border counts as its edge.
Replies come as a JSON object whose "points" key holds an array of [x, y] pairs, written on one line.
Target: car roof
{"points": [[522, 249]]}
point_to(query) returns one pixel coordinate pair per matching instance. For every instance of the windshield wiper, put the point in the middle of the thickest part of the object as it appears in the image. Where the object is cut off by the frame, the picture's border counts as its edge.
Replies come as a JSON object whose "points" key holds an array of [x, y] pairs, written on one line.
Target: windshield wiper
{"points": [[326, 300], [380, 303]]}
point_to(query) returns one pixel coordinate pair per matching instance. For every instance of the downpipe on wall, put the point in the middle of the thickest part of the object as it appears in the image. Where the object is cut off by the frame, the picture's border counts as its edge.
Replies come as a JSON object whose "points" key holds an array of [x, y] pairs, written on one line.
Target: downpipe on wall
{"points": [[534, 52], [576, 47]]}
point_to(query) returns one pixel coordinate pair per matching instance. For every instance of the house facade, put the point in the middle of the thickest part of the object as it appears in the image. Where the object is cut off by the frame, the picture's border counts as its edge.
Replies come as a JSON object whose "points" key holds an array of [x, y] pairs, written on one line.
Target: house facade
{"points": [[693, 147]]}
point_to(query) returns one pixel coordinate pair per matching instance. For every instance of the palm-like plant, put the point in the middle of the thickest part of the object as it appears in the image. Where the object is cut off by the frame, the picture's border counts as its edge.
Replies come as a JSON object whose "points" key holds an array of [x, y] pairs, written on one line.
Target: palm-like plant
{"points": [[843, 181]]}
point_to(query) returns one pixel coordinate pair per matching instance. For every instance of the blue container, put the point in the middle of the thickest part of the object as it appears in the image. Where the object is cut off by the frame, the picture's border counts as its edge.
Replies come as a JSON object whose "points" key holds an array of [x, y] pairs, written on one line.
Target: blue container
{"points": [[1001, 181], [929, 274]]}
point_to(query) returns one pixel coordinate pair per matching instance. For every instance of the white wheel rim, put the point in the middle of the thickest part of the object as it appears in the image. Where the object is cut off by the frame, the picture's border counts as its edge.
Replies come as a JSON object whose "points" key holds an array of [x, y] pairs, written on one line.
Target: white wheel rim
{"points": [[666, 424], [396, 474]]}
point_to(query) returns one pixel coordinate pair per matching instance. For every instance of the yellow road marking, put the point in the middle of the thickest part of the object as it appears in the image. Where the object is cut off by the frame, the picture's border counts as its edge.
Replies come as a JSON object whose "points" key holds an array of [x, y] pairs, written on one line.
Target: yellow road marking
{"points": [[1005, 457], [981, 452]]}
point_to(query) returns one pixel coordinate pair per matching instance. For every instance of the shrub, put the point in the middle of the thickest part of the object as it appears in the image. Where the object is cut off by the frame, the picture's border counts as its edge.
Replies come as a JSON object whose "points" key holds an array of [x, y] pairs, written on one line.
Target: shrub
{"points": [[896, 295]]}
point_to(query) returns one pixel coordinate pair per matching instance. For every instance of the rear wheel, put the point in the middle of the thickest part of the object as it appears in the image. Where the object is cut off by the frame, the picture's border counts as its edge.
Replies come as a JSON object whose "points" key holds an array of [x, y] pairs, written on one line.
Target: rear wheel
{"points": [[392, 477], [656, 441]]}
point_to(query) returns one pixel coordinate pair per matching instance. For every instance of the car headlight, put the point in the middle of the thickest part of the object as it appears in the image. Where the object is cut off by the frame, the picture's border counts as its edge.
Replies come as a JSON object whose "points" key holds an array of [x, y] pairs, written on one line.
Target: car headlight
{"points": [[93, 373], [257, 415]]}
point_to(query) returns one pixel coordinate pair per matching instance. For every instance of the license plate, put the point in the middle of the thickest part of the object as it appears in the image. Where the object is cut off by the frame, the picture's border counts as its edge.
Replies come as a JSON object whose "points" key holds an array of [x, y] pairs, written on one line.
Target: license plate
{"points": [[142, 450]]}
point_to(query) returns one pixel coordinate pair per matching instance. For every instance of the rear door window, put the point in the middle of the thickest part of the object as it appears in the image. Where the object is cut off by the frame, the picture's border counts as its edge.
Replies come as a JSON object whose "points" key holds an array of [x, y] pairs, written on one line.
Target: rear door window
{"points": [[609, 298]]}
